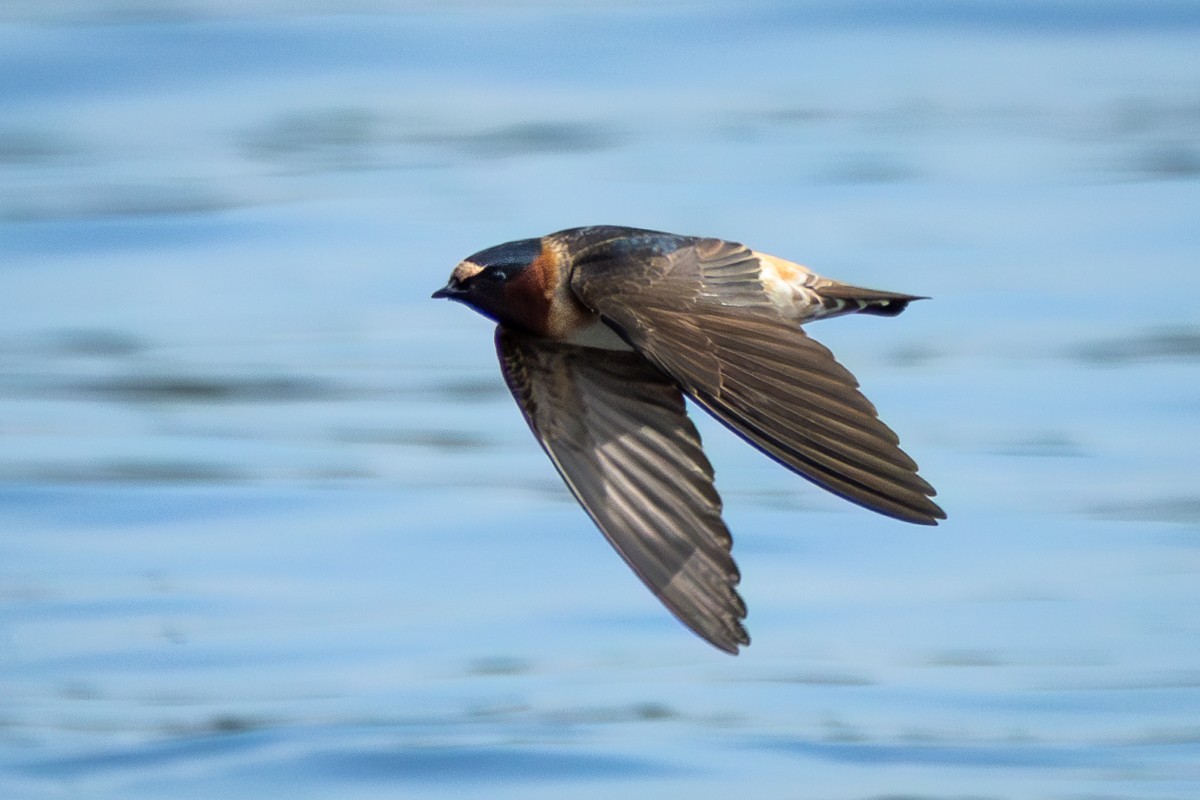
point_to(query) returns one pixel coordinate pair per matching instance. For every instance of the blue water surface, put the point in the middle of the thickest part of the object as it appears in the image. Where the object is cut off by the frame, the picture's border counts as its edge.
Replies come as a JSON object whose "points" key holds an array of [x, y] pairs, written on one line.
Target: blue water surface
{"points": [[270, 524]]}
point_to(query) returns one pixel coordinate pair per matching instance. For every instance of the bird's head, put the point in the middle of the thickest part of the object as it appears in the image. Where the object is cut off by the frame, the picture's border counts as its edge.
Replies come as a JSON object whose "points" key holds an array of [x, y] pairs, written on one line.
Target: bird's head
{"points": [[499, 283]]}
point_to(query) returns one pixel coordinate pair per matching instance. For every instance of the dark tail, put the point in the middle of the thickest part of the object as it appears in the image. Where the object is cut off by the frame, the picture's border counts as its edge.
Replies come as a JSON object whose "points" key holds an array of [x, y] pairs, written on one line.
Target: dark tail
{"points": [[842, 299]]}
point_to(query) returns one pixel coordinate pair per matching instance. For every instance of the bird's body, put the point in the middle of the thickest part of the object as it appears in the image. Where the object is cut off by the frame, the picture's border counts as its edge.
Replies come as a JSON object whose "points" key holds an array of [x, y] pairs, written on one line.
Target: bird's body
{"points": [[603, 330]]}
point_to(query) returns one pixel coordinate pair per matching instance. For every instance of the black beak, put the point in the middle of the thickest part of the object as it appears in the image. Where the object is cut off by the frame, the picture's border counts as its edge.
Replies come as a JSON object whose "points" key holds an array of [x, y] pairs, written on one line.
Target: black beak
{"points": [[450, 290]]}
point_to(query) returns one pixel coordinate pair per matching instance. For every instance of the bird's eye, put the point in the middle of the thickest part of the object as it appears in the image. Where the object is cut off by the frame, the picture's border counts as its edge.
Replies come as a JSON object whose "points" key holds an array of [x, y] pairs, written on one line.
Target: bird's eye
{"points": [[497, 274]]}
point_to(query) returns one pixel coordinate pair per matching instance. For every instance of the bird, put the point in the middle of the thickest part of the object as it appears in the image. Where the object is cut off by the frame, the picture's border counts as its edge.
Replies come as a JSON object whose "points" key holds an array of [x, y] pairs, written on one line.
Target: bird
{"points": [[601, 333]]}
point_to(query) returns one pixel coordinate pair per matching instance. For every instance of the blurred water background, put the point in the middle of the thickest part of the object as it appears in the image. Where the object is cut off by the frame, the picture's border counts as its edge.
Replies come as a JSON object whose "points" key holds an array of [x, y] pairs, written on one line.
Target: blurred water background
{"points": [[271, 526]]}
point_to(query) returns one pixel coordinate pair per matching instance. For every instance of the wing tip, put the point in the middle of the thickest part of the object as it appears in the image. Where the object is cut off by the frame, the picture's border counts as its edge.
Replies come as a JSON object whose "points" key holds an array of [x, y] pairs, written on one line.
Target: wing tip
{"points": [[926, 513], [722, 628], [730, 643]]}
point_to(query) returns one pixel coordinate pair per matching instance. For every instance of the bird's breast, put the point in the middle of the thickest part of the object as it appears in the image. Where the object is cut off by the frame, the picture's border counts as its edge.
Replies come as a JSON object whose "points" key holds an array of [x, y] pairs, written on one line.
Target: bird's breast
{"points": [[598, 335], [564, 318]]}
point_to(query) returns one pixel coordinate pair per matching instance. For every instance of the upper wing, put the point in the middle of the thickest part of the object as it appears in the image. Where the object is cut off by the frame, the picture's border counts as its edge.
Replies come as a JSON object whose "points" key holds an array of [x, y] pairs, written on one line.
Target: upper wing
{"points": [[701, 313], [618, 433]]}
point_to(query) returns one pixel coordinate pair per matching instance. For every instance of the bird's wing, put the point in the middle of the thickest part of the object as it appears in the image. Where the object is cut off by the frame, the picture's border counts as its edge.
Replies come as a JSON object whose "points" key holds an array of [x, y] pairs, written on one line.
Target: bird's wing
{"points": [[700, 312], [617, 431]]}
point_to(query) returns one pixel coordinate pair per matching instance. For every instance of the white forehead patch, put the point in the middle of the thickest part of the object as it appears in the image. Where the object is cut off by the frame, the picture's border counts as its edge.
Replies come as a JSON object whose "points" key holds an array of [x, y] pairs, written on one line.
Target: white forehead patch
{"points": [[465, 270]]}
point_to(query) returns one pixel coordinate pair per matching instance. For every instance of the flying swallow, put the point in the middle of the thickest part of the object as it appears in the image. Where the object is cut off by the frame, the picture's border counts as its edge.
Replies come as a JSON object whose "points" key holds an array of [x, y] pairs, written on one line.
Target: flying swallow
{"points": [[601, 333]]}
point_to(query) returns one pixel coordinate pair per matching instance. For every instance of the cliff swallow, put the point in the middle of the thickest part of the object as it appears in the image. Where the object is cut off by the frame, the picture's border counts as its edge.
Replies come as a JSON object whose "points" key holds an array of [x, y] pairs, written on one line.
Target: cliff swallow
{"points": [[603, 330]]}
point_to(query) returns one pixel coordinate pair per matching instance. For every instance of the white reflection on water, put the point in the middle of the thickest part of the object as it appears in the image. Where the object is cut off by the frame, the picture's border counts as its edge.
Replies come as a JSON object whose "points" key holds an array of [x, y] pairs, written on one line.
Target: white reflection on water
{"points": [[269, 522]]}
